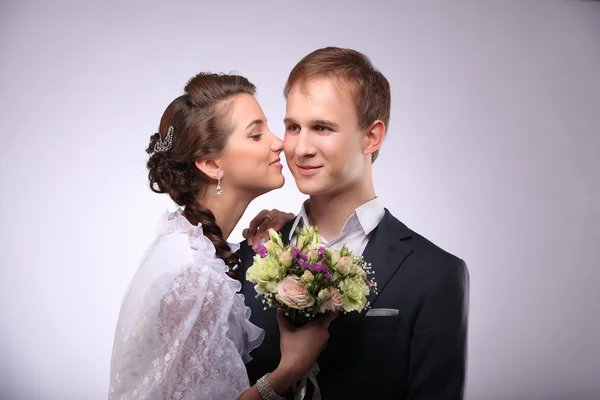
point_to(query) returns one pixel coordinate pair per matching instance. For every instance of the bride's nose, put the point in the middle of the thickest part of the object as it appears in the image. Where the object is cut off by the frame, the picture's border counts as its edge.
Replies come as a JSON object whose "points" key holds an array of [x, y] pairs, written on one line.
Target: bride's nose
{"points": [[277, 144]]}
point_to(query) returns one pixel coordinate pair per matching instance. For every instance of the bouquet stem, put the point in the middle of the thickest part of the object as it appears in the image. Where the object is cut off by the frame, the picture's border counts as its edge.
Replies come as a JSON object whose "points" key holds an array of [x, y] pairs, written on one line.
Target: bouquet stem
{"points": [[298, 318]]}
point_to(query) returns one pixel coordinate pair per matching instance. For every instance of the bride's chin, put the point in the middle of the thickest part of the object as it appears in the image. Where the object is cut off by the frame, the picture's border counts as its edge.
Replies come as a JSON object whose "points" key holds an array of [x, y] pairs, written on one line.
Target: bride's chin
{"points": [[278, 183]]}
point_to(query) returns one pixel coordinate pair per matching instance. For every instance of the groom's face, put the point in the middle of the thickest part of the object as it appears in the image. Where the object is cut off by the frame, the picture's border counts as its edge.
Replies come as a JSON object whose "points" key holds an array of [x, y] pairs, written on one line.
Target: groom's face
{"points": [[323, 144]]}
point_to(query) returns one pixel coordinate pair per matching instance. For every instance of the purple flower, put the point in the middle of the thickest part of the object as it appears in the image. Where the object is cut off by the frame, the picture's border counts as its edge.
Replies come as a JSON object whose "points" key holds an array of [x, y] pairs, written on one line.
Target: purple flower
{"points": [[261, 250], [295, 251], [323, 252], [328, 275], [318, 268], [322, 268], [367, 282], [297, 254]]}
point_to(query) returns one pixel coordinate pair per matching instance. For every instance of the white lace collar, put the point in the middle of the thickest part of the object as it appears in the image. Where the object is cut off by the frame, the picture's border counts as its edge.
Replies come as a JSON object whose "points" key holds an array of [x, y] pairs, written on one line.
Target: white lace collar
{"points": [[175, 222]]}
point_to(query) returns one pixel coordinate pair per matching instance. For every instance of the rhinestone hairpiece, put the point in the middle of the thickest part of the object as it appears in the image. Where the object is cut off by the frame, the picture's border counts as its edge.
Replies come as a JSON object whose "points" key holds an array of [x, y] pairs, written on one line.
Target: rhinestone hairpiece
{"points": [[166, 143]]}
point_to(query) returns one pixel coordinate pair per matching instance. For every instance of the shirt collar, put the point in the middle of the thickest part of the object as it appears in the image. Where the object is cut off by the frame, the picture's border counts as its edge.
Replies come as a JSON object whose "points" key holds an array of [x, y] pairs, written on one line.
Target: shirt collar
{"points": [[367, 216], [370, 215], [301, 220]]}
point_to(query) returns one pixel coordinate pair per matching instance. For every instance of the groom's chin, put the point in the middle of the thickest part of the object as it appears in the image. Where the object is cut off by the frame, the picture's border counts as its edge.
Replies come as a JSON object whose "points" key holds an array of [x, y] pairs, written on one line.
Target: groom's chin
{"points": [[311, 188]]}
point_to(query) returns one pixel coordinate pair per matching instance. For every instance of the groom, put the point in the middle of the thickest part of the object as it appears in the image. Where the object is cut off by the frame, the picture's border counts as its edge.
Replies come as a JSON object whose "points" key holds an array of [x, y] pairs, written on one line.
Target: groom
{"points": [[412, 343]]}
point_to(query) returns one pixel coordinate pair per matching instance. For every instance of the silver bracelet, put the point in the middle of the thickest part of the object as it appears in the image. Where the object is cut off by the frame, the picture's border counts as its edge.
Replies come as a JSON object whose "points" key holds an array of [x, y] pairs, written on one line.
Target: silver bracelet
{"points": [[266, 391]]}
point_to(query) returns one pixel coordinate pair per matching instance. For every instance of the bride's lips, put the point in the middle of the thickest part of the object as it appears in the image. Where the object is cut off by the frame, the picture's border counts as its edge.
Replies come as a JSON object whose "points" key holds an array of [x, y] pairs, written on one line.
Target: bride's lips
{"points": [[307, 170], [276, 163]]}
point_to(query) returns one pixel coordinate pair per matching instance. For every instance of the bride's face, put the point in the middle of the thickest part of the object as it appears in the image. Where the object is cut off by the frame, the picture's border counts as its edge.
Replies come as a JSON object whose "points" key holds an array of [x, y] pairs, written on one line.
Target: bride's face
{"points": [[250, 161]]}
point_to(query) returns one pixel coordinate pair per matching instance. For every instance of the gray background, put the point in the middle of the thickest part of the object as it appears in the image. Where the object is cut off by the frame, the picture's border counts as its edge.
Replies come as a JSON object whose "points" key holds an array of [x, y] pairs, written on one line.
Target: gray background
{"points": [[492, 153]]}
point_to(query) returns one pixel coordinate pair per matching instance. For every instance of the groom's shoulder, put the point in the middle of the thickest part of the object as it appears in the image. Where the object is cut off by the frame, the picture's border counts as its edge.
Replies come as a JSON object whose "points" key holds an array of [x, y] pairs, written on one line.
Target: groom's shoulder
{"points": [[246, 252], [424, 250]]}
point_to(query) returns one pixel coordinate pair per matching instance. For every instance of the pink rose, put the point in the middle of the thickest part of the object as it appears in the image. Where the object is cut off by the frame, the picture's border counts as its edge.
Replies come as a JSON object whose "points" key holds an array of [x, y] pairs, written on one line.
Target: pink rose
{"points": [[334, 303], [293, 293]]}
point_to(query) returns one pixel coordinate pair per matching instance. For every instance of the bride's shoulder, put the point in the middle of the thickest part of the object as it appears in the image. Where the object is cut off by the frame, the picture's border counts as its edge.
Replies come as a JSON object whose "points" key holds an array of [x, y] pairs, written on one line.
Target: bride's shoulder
{"points": [[174, 231], [172, 241], [174, 222], [177, 237]]}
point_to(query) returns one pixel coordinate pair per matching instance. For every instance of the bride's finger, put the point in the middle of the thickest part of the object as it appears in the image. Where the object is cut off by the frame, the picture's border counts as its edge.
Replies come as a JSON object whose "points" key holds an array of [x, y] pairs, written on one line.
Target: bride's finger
{"points": [[254, 224]]}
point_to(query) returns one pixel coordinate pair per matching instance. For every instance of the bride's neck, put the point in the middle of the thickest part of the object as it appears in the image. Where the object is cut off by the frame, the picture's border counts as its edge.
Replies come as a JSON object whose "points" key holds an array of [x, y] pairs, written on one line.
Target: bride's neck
{"points": [[228, 208]]}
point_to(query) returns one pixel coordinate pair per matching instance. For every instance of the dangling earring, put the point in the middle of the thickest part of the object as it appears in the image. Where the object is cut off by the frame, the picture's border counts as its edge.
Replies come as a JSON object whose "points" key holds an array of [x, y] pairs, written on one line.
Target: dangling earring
{"points": [[219, 189]]}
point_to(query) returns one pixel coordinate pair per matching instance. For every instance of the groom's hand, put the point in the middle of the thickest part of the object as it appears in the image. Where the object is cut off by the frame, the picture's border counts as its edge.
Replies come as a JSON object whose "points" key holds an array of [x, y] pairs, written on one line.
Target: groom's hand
{"points": [[264, 221], [300, 347]]}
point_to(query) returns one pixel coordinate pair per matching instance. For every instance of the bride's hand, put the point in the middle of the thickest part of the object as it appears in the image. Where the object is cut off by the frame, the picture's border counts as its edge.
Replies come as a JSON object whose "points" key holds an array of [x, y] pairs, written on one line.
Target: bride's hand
{"points": [[264, 221]]}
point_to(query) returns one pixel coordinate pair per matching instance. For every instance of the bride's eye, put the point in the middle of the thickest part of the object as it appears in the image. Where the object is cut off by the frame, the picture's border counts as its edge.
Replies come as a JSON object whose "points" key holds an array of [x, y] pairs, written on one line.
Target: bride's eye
{"points": [[256, 137]]}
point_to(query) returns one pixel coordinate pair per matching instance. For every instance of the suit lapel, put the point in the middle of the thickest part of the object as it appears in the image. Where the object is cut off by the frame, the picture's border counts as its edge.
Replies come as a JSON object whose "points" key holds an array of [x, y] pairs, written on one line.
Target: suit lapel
{"points": [[285, 232], [386, 251]]}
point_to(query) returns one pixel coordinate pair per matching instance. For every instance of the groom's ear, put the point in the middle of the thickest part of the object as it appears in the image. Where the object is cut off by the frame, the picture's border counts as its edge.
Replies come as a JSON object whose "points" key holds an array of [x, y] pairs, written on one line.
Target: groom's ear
{"points": [[209, 168], [374, 137]]}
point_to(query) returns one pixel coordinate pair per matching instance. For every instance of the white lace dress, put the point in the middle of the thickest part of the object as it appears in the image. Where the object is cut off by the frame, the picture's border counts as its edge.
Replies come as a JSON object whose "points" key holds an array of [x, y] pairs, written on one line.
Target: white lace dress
{"points": [[183, 330]]}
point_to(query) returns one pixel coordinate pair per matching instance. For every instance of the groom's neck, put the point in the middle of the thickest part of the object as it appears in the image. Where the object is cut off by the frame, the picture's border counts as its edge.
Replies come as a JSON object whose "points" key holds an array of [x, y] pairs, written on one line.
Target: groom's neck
{"points": [[331, 211]]}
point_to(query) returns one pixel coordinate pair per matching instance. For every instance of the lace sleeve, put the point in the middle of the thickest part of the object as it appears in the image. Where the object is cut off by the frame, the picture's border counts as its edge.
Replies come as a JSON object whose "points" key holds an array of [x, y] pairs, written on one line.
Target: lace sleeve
{"points": [[188, 344]]}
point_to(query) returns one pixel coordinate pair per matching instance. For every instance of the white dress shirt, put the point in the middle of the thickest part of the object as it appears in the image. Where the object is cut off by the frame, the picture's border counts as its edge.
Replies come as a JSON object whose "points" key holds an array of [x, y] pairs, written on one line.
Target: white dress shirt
{"points": [[356, 231]]}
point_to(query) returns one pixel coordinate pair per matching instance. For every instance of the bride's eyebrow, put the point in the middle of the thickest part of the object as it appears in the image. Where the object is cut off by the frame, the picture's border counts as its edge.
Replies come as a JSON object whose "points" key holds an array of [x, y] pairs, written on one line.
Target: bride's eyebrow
{"points": [[255, 122]]}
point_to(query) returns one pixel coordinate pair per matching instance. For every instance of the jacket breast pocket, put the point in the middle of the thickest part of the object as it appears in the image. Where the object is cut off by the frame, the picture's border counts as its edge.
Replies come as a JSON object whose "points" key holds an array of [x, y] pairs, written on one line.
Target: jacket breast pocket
{"points": [[388, 322], [378, 347]]}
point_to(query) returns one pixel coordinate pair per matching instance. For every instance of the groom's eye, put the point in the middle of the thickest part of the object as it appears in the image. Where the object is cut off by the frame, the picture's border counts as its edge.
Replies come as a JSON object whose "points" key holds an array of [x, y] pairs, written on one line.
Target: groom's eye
{"points": [[293, 128], [321, 128]]}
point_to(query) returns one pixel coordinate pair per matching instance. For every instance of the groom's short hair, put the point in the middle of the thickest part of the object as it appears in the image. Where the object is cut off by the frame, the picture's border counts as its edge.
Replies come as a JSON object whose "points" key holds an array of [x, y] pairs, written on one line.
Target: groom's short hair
{"points": [[368, 87]]}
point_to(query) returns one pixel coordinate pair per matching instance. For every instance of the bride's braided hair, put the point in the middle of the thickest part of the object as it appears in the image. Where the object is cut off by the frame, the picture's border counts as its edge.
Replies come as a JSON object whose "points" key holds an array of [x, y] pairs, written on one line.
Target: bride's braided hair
{"points": [[201, 126]]}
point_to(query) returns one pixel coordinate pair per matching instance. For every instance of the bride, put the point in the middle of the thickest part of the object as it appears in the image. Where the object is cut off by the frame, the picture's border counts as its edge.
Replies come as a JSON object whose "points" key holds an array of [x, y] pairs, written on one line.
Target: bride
{"points": [[183, 330]]}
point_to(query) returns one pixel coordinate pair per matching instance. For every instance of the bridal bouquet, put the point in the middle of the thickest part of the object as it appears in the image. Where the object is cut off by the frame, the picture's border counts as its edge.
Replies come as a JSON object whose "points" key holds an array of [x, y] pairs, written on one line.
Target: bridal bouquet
{"points": [[306, 278]]}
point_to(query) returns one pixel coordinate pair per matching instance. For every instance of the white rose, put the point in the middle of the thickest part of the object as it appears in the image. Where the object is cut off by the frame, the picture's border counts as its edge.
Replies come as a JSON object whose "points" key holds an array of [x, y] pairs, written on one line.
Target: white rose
{"points": [[307, 276], [324, 295], [272, 246], [343, 265], [356, 270], [312, 254], [285, 259]]}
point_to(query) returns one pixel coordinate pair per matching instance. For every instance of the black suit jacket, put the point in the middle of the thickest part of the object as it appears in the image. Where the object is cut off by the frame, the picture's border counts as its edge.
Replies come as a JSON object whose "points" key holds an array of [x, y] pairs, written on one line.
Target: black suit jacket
{"points": [[419, 354]]}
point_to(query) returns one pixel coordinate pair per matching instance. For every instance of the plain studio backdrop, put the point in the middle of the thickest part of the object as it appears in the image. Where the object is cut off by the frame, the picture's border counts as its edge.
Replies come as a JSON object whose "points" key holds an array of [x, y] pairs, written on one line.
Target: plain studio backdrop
{"points": [[492, 153]]}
